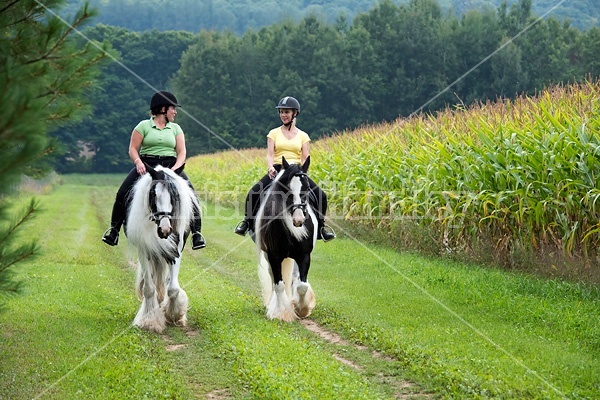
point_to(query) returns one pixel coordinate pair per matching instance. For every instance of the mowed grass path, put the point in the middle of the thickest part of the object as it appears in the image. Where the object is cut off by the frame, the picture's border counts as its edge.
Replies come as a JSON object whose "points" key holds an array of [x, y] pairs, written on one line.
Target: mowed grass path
{"points": [[410, 326]]}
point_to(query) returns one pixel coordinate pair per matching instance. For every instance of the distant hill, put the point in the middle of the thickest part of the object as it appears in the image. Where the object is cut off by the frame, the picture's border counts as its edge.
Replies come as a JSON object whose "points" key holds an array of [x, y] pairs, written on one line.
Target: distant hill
{"points": [[240, 15], [583, 14]]}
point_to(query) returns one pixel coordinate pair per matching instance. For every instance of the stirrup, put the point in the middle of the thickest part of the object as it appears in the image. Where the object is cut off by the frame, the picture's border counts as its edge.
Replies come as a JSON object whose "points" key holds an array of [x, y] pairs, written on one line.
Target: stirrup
{"points": [[111, 236], [326, 233]]}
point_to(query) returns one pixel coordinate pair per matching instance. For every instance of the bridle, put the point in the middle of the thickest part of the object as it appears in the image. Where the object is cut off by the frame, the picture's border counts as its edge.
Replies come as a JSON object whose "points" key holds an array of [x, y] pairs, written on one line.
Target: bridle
{"points": [[156, 216], [302, 205]]}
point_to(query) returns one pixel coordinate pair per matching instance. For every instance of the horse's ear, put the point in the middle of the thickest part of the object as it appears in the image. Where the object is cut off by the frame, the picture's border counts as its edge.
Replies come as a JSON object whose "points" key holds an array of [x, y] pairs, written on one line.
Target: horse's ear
{"points": [[284, 162], [179, 170], [151, 171], [306, 164]]}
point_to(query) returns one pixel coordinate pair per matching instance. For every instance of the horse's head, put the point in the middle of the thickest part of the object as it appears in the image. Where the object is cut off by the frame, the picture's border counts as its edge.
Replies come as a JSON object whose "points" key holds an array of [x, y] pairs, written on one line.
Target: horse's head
{"points": [[297, 178], [163, 201]]}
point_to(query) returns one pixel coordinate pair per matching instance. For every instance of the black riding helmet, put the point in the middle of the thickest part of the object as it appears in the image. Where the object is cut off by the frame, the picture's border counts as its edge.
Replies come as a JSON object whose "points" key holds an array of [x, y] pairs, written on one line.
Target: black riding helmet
{"points": [[289, 102], [162, 99]]}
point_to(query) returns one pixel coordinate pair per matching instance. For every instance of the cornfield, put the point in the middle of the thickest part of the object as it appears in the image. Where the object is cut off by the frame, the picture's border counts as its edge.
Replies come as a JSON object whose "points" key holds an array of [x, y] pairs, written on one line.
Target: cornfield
{"points": [[508, 179]]}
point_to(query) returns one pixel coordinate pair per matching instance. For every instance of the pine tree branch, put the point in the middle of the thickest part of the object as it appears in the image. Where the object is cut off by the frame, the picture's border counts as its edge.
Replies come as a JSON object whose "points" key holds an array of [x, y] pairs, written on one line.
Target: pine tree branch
{"points": [[27, 215], [27, 17], [7, 6], [24, 252], [61, 40]]}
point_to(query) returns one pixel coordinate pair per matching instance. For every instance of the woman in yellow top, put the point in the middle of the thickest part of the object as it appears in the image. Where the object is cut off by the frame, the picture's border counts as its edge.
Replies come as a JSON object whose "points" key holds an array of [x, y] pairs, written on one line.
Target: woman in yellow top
{"points": [[294, 144]]}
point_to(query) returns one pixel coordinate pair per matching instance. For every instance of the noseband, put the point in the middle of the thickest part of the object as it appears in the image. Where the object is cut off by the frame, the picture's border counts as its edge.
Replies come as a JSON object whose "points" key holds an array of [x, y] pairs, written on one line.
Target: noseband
{"points": [[157, 216], [301, 207]]}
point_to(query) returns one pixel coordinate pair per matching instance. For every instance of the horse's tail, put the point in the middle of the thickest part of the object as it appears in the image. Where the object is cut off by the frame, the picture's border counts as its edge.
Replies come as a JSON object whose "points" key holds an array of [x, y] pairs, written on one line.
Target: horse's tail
{"points": [[265, 277], [159, 275], [269, 215], [139, 281]]}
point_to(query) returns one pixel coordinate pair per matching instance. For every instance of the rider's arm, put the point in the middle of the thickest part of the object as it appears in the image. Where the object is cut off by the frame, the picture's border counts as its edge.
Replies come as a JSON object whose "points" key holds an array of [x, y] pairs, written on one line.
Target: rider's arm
{"points": [[271, 157], [180, 150], [134, 151], [305, 152]]}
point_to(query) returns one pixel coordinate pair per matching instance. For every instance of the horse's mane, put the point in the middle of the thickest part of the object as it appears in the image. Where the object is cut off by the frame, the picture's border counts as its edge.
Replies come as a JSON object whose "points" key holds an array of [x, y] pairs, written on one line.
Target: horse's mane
{"points": [[273, 204], [272, 211], [141, 230]]}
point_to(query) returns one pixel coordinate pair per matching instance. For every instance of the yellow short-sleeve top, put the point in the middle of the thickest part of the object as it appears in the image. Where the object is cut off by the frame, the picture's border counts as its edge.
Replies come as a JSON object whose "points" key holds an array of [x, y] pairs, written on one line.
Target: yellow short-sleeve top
{"points": [[291, 149]]}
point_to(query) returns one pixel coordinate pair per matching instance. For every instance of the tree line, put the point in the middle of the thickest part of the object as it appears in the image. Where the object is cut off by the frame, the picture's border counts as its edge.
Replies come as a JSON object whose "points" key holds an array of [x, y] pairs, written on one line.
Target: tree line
{"points": [[239, 16], [390, 62]]}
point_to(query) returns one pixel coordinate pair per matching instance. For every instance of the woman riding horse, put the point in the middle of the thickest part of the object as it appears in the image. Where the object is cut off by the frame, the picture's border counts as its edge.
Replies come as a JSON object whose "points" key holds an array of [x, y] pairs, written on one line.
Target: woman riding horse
{"points": [[155, 141], [294, 144], [286, 231]]}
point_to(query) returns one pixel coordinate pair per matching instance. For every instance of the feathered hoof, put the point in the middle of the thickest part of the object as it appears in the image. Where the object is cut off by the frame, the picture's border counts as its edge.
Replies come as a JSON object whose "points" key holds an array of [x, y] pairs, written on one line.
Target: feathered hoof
{"points": [[181, 321], [156, 323], [304, 300], [175, 307], [150, 316], [280, 305], [282, 315]]}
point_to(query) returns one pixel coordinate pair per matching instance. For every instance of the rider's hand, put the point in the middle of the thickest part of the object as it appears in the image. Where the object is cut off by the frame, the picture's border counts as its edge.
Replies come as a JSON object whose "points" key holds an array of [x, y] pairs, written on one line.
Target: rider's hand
{"points": [[272, 172], [140, 168]]}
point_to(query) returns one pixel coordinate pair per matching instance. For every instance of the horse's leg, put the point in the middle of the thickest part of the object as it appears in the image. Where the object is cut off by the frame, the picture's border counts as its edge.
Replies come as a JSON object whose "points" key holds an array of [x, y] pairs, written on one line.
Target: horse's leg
{"points": [[280, 305], [303, 297], [287, 270], [175, 305], [149, 316]]}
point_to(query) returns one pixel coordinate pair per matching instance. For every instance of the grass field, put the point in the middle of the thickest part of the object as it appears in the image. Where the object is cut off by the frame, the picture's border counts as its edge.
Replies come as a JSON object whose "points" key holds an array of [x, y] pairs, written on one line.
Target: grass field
{"points": [[387, 324]]}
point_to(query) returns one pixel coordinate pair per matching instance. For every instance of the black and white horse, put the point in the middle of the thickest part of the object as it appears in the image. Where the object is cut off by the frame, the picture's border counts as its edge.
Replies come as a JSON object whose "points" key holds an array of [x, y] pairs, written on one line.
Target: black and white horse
{"points": [[286, 231], [160, 209]]}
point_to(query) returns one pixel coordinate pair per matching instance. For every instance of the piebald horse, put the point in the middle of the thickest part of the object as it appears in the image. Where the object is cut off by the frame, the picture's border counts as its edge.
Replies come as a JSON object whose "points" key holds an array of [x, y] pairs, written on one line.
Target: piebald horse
{"points": [[286, 231], [160, 209]]}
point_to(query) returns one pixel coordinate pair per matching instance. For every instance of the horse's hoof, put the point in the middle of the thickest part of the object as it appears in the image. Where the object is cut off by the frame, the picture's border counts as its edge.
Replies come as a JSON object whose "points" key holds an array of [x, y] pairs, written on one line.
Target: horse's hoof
{"points": [[181, 321], [151, 326], [284, 316], [305, 302], [303, 312]]}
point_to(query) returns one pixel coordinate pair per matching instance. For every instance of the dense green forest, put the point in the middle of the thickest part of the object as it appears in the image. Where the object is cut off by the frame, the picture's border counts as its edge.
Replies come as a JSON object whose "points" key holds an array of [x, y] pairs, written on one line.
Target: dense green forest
{"points": [[389, 62], [239, 16]]}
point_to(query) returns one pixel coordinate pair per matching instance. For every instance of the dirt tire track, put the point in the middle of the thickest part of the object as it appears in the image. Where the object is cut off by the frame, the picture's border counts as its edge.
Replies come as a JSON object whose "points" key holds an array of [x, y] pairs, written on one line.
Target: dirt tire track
{"points": [[400, 385]]}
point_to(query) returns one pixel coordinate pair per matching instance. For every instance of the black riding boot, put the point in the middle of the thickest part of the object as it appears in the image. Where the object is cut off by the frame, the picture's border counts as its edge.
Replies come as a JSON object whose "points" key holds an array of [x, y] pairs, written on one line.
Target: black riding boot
{"points": [[242, 227], [319, 204], [252, 205], [198, 241], [111, 235]]}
